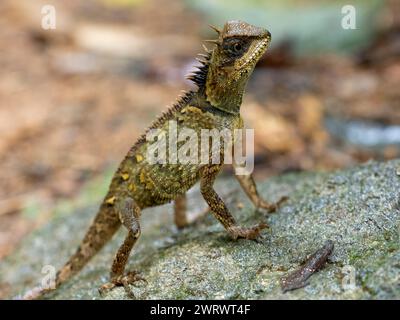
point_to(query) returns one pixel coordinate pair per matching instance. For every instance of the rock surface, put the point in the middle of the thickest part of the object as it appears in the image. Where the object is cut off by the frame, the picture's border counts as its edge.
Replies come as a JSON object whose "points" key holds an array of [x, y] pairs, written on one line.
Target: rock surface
{"points": [[358, 209]]}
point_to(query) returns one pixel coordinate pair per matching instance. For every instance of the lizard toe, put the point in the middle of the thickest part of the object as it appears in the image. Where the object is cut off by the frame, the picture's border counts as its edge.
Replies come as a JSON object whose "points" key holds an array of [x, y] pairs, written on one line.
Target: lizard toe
{"points": [[125, 281]]}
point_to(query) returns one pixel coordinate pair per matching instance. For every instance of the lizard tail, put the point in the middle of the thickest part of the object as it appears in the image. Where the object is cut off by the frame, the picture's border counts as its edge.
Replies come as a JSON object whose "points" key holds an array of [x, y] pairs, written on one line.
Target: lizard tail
{"points": [[104, 226]]}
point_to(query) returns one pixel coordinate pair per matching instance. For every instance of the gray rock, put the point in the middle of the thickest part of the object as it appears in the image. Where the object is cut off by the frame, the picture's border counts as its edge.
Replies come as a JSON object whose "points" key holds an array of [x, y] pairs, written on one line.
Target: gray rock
{"points": [[358, 209]]}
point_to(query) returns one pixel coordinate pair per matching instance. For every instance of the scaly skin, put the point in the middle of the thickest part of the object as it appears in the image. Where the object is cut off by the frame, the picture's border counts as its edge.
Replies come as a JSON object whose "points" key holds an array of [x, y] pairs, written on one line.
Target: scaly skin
{"points": [[136, 185]]}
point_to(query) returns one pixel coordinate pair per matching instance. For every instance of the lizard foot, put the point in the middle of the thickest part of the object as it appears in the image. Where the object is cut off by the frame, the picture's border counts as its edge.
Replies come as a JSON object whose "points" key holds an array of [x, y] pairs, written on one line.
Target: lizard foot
{"points": [[271, 207], [250, 233], [122, 281]]}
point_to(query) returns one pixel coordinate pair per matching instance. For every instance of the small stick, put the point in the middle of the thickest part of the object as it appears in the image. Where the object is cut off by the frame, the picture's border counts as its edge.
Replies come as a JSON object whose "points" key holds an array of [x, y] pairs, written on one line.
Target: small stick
{"points": [[298, 279]]}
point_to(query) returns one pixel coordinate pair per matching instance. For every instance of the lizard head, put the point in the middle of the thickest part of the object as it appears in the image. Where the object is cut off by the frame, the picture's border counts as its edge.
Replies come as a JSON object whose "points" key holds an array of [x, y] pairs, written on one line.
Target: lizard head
{"points": [[238, 48]]}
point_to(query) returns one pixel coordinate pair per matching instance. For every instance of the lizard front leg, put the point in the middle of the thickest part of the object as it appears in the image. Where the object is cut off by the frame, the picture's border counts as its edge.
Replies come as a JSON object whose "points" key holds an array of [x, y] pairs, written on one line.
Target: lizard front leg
{"points": [[220, 210], [249, 186], [129, 213]]}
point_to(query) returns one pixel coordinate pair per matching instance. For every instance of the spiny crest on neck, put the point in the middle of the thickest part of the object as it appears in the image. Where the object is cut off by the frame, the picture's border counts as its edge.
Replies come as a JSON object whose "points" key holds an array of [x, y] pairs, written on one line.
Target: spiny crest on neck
{"points": [[199, 76]]}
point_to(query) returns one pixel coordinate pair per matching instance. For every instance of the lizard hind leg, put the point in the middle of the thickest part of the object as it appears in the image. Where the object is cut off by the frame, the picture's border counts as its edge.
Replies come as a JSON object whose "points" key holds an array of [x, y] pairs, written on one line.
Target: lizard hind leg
{"points": [[180, 214], [129, 213]]}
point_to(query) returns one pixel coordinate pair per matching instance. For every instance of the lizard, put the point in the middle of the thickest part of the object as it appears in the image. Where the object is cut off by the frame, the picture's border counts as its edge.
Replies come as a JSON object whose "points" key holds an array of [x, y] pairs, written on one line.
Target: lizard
{"points": [[221, 80]]}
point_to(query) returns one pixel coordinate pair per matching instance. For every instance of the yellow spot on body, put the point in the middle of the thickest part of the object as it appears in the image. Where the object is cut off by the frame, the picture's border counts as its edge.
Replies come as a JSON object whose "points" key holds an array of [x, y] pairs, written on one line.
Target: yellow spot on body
{"points": [[139, 158], [132, 187], [142, 177], [125, 176], [146, 180], [111, 200]]}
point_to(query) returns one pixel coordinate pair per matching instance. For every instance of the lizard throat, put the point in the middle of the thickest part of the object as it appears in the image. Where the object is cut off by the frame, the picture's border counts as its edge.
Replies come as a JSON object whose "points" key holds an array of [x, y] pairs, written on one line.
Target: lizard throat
{"points": [[224, 89]]}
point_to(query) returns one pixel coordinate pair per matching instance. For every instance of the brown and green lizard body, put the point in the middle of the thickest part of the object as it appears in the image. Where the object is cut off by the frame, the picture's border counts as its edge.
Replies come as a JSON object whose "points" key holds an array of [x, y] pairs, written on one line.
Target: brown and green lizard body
{"points": [[137, 185]]}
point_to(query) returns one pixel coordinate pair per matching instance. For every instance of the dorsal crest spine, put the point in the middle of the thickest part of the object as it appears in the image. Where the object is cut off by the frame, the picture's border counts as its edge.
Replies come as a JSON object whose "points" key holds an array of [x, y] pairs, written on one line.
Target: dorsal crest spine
{"points": [[199, 76]]}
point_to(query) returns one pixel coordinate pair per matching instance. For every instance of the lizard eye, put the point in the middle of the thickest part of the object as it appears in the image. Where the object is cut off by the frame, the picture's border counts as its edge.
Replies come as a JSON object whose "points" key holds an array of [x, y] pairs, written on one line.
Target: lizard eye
{"points": [[234, 47], [237, 47]]}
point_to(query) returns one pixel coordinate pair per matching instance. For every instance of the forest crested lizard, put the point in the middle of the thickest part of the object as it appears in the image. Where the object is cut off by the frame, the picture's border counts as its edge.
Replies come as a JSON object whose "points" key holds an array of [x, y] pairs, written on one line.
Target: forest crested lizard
{"points": [[221, 81]]}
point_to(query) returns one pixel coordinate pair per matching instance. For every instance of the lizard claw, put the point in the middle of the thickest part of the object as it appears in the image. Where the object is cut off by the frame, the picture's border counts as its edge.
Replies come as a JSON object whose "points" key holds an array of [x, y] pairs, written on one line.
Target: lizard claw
{"points": [[250, 233], [124, 281], [271, 207], [260, 238]]}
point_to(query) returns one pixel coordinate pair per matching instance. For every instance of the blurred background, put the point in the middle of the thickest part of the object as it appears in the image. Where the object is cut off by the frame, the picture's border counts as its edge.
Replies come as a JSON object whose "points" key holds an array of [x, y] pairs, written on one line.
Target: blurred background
{"points": [[74, 99]]}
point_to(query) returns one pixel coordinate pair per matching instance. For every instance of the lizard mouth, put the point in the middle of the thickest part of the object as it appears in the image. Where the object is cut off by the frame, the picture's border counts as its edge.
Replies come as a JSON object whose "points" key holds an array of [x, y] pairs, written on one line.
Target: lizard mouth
{"points": [[258, 50]]}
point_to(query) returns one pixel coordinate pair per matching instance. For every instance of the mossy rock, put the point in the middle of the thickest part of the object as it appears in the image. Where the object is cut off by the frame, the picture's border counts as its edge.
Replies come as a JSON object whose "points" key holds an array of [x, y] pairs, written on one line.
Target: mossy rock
{"points": [[358, 209]]}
